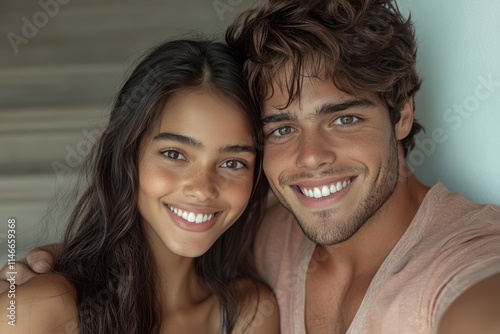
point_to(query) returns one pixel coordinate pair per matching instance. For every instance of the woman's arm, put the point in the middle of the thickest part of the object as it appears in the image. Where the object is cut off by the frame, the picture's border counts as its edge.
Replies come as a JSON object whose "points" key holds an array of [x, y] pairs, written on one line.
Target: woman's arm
{"points": [[44, 304]]}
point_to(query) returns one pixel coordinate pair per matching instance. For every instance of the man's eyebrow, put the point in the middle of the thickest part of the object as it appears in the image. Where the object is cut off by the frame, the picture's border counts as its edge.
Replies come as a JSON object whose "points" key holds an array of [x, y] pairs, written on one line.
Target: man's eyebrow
{"points": [[325, 109], [276, 118], [179, 139], [237, 149], [329, 108]]}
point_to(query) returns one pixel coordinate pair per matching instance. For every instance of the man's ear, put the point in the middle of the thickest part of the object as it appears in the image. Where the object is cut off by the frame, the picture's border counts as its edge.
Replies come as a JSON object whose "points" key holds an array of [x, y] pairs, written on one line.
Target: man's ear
{"points": [[403, 126]]}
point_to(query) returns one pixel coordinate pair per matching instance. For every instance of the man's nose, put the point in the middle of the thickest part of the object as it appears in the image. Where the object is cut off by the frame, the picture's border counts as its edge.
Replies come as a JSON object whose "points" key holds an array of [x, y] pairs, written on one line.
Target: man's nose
{"points": [[314, 151]]}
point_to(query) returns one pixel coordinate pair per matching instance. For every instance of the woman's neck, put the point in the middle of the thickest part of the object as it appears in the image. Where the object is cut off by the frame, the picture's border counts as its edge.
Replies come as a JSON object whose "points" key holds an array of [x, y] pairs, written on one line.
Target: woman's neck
{"points": [[177, 283]]}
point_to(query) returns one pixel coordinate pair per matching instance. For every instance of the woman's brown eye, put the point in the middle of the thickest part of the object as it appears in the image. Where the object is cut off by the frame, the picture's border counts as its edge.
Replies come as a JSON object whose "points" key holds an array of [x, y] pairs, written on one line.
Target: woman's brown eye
{"points": [[173, 154], [233, 164]]}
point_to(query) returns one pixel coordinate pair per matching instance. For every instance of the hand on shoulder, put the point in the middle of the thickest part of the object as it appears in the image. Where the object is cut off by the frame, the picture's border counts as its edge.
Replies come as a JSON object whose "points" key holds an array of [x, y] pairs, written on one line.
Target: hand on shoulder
{"points": [[259, 308], [39, 261], [44, 304]]}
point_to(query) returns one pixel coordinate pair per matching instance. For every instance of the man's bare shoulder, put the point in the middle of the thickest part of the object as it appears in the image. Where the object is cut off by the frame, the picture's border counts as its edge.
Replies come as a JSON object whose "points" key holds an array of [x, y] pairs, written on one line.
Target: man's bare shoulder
{"points": [[259, 311], [44, 304], [475, 311]]}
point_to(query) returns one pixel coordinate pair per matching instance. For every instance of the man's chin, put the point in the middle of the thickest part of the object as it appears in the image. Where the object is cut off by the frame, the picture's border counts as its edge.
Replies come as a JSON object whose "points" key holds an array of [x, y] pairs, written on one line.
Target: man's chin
{"points": [[328, 231]]}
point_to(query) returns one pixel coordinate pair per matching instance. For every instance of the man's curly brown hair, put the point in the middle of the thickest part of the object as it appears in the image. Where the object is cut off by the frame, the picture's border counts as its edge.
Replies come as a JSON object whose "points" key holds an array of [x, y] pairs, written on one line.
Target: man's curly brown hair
{"points": [[365, 46]]}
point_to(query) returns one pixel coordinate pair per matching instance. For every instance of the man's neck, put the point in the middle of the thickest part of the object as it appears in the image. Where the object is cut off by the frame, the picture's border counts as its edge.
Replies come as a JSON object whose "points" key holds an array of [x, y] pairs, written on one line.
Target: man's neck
{"points": [[366, 250], [338, 276]]}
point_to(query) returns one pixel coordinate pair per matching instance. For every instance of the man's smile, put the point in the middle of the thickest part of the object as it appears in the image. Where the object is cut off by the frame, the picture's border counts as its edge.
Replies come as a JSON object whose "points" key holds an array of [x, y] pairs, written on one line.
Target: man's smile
{"points": [[323, 190]]}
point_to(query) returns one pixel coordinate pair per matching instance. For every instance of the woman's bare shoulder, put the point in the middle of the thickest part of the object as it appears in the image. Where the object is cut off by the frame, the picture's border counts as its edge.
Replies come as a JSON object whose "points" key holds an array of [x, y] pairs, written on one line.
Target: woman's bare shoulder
{"points": [[259, 311], [44, 304]]}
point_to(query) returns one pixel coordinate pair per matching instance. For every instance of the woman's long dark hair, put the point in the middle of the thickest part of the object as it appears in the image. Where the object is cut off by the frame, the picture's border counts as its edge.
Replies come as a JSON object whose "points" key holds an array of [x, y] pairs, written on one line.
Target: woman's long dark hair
{"points": [[105, 254]]}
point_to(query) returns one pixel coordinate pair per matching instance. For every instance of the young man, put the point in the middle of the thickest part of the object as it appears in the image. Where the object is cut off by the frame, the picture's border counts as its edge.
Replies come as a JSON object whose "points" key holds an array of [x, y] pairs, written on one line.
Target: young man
{"points": [[374, 250], [358, 245]]}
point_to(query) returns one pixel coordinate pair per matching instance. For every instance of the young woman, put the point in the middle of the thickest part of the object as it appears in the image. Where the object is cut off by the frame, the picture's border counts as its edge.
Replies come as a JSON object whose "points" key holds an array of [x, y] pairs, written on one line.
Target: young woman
{"points": [[160, 240]]}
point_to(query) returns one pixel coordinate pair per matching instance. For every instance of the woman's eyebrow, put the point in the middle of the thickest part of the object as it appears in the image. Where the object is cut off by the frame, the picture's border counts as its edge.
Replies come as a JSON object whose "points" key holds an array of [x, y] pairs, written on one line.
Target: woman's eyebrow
{"points": [[198, 145], [179, 139], [237, 149]]}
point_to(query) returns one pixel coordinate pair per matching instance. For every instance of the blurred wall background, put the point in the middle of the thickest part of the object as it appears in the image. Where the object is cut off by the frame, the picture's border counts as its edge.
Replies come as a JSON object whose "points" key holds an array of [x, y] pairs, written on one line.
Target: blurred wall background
{"points": [[459, 102], [61, 61]]}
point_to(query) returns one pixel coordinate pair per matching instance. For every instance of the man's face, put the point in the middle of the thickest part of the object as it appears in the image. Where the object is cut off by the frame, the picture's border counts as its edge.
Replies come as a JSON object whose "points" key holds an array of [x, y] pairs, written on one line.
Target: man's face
{"points": [[331, 158]]}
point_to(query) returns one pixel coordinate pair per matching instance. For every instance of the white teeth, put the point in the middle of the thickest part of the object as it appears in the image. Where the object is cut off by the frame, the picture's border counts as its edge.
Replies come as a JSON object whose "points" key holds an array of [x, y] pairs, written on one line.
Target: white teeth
{"points": [[191, 216], [318, 192], [339, 186]]}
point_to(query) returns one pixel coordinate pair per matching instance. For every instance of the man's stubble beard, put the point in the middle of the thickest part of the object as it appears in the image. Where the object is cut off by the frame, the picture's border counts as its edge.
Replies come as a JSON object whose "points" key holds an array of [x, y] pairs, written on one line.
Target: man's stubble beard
{"points": [[325, 233]]}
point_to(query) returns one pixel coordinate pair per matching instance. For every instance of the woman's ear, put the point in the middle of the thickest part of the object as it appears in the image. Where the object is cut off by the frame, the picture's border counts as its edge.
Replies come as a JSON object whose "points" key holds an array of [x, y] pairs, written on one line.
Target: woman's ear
{"points": [[403, 126]]}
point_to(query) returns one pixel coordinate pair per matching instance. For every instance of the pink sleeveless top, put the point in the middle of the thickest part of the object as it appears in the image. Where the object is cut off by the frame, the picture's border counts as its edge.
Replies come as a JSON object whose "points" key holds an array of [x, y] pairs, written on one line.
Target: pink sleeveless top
{"points": [[451, 244]]}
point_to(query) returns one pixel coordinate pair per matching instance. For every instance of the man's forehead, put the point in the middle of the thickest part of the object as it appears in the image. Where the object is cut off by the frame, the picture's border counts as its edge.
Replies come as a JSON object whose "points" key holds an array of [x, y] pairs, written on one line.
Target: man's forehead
{"points": [[313, 93]]}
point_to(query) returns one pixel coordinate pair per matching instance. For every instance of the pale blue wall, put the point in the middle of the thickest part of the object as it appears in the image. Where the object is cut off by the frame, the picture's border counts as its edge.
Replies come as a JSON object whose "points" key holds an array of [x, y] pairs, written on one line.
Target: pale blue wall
{"points": [[459, 102]]}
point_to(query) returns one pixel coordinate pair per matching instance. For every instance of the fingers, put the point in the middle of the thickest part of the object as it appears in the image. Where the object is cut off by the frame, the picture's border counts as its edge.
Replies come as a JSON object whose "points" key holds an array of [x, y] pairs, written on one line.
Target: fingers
{"points": [[41, 259], [4, 286], [19, 275]]}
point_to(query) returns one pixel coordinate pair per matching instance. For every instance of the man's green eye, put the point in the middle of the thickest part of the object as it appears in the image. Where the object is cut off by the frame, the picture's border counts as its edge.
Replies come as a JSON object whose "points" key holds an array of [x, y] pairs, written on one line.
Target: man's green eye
{"points": [[283, 131], [346, 120]]}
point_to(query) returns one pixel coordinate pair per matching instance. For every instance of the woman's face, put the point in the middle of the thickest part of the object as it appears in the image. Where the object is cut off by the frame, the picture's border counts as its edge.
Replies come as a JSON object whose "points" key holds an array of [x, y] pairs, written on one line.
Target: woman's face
{"points": [[195, 172]]}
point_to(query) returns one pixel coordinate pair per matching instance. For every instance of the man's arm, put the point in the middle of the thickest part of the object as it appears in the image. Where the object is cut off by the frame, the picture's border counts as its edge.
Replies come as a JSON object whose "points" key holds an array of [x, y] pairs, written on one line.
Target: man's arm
{"points": [[475, 311], [39, 261], [45, 304]]}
